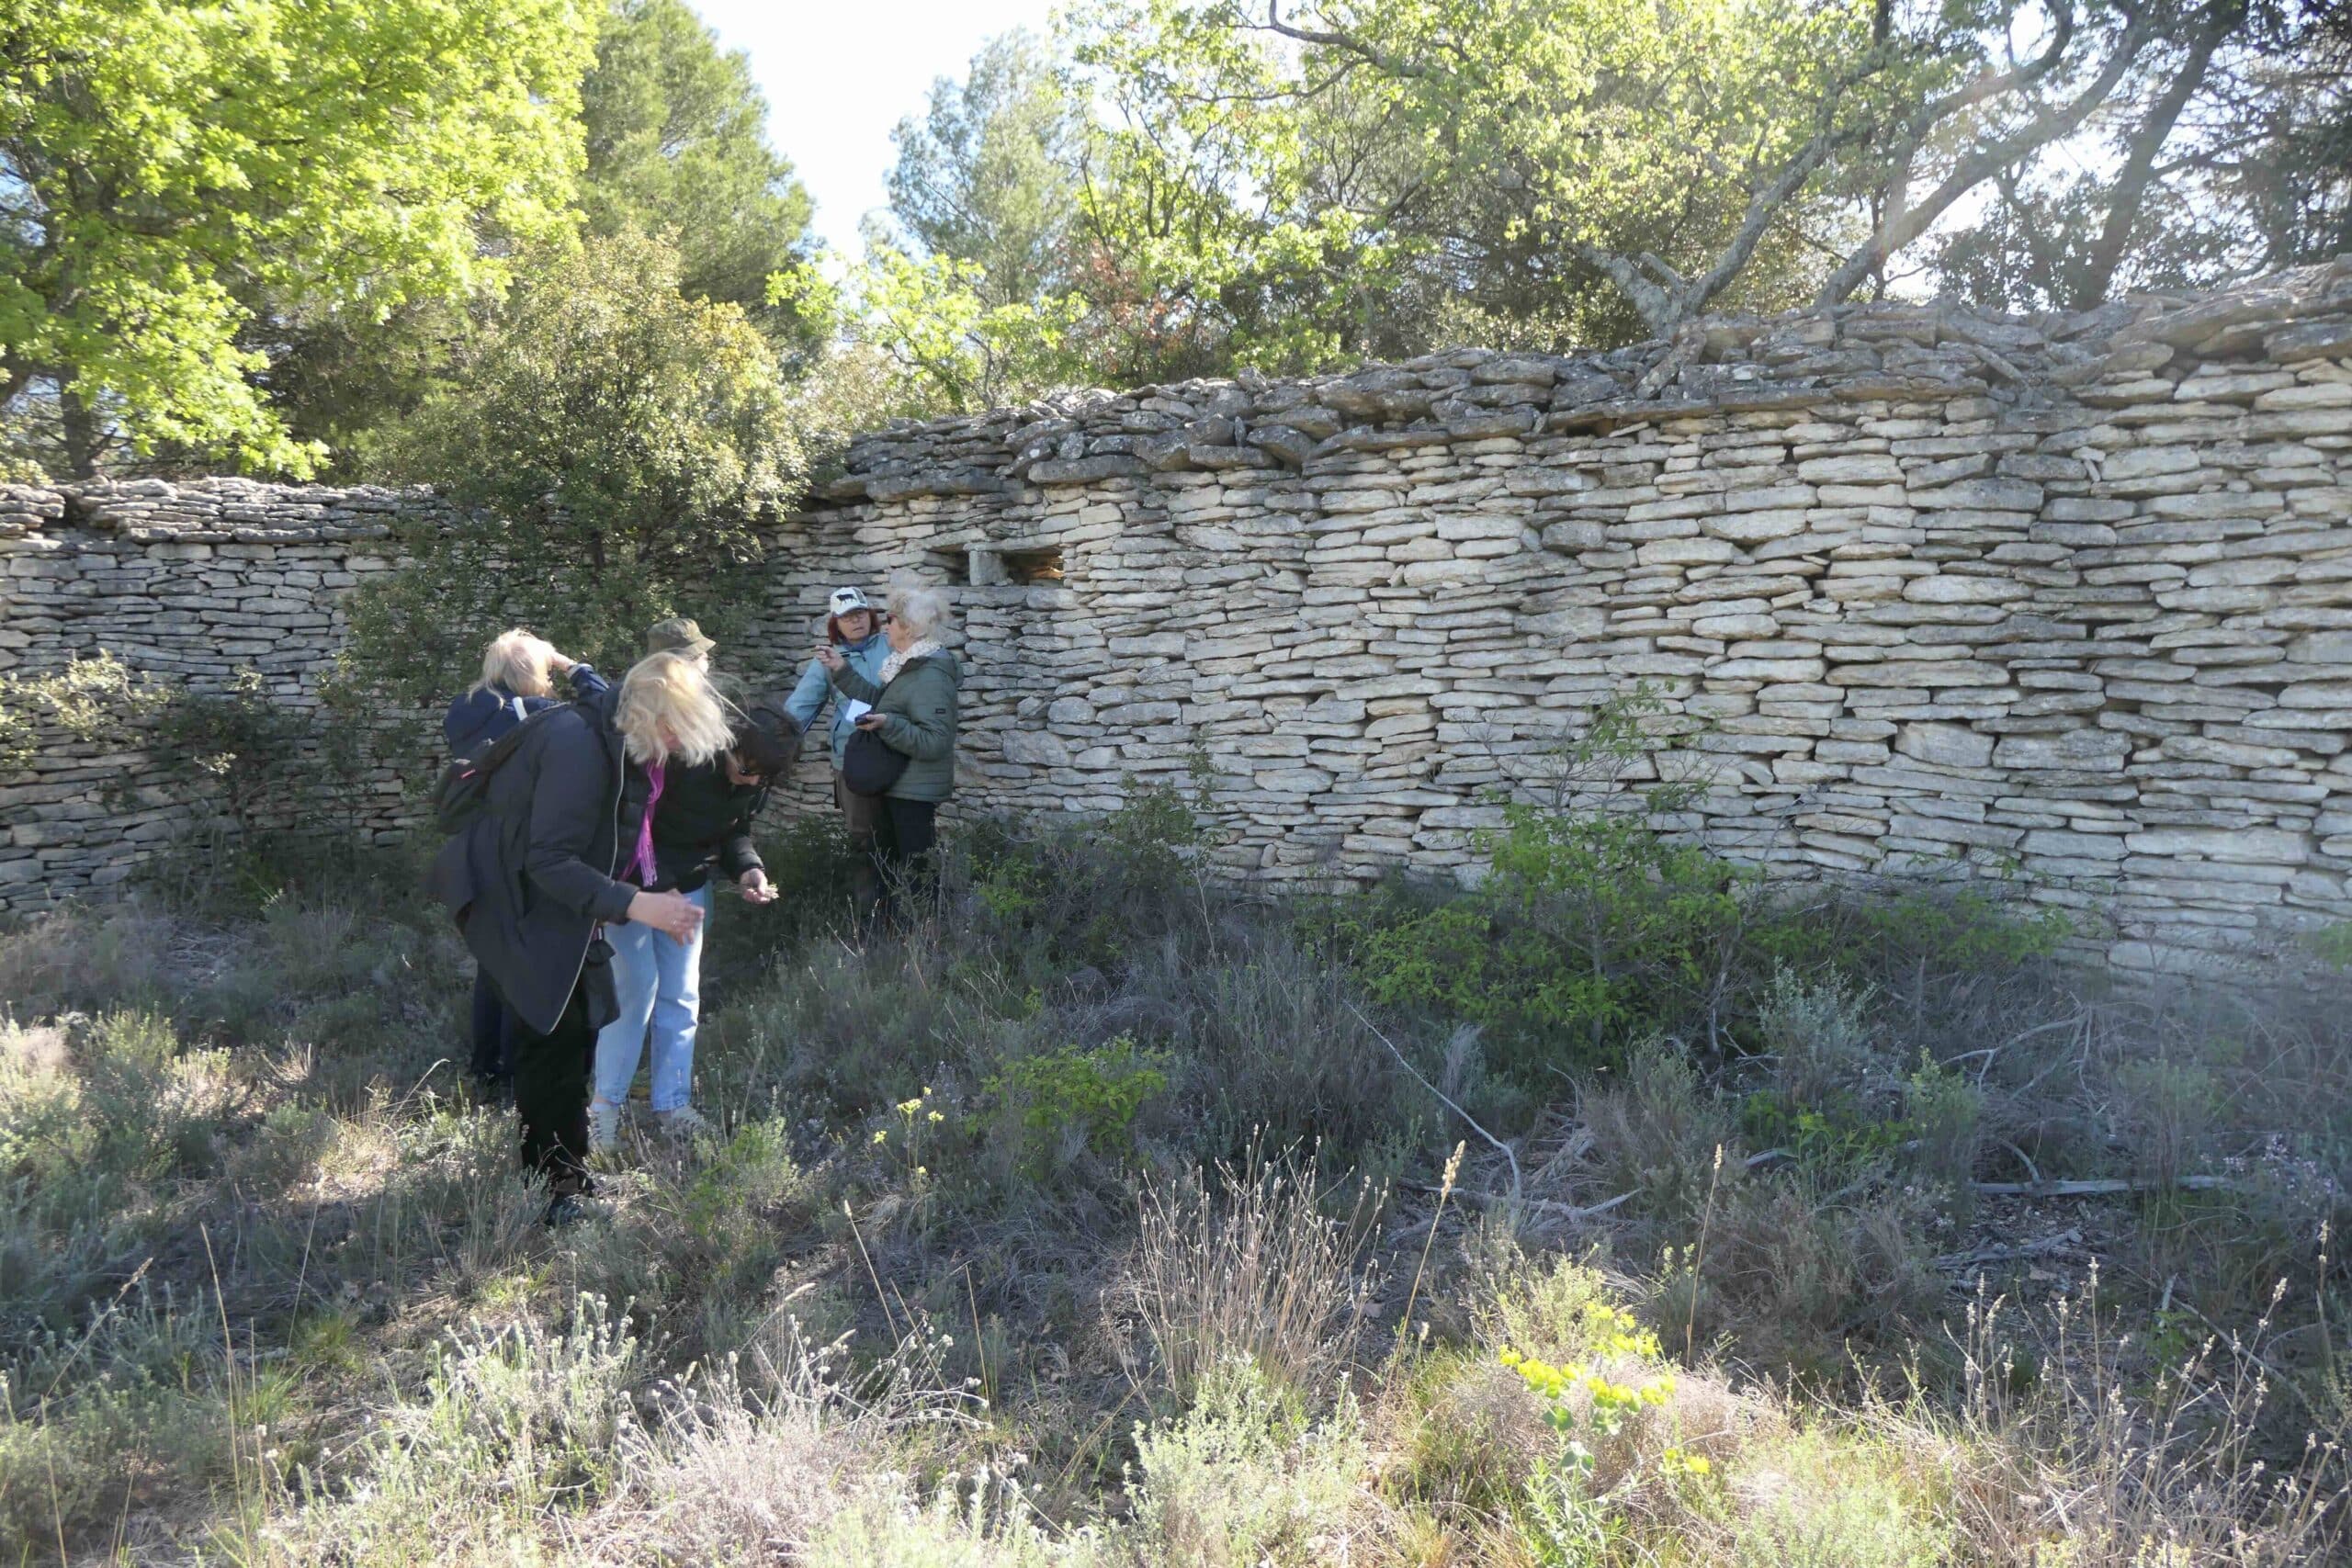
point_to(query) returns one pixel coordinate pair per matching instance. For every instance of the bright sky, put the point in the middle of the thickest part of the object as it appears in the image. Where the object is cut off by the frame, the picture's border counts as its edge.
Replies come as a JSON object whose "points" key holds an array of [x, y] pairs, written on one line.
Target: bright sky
{"points": [[838, 76]]}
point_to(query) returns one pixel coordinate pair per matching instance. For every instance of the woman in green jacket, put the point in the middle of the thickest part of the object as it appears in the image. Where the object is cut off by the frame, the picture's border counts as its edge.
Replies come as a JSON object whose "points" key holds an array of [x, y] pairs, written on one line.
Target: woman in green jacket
{"points": [[913, 712]]}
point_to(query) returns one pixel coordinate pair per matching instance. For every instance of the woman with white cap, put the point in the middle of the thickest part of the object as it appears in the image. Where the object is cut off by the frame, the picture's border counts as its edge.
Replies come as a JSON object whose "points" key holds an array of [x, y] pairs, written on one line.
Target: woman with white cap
{"points": [[853, 632]]}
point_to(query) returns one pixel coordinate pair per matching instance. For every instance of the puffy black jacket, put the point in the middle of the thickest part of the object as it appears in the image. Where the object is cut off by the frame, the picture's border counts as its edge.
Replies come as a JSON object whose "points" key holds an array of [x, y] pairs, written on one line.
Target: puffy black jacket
{"points": [[529, 880], [704, 819], [480, 716]]}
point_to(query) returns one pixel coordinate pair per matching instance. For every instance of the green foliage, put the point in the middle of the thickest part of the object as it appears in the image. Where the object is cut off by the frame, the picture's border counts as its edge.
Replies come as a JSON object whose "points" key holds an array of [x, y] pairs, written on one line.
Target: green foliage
{"points": [[612, 442], [1026, 876], [1840, 1138], [950, 347], [989, 175], [167, 172], [677, 146], [90, 700], [1589, 930], [1074, 1098], [1370, 175], [1240, 1479], [273, 766]]}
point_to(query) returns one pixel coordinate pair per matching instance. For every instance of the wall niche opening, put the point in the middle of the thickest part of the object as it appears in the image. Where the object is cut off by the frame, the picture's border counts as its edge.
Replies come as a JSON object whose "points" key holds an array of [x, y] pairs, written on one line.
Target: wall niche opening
{"points": [[1024, 567], [955, 562]]}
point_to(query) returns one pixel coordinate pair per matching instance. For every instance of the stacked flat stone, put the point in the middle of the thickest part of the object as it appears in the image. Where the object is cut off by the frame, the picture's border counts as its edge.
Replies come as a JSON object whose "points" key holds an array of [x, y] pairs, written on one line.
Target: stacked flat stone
{"points": [[2064, 601], [191, 586]]}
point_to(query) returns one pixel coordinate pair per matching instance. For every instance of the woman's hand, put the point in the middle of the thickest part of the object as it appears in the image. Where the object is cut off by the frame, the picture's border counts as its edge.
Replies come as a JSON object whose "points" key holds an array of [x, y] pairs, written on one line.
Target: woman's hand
{"points": [[869, 721], [754, 886], [558, 663], [673, 914], [831, 656]]}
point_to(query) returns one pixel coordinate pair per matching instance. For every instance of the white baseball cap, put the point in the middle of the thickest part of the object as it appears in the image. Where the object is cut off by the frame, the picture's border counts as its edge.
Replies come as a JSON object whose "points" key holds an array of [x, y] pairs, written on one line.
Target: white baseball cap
{"points": [[847, 600]]}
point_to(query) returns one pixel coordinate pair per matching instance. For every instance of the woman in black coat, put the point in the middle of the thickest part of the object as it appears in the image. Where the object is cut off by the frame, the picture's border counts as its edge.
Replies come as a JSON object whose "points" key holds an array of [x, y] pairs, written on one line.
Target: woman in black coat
{"points": [[564, 848], [518, 672]]}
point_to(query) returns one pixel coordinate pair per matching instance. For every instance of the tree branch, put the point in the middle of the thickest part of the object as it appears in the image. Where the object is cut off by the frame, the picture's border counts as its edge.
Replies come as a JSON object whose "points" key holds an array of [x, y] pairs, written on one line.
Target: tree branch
{"points": [[1348, 42], [2222, 17], [1897, 229]]}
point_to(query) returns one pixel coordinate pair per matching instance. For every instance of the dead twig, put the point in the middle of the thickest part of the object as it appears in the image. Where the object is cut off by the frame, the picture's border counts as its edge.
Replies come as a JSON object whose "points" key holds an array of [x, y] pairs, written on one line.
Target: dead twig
{"points": [[2103, 1187], [1442, 1098], [2064, 1241]]}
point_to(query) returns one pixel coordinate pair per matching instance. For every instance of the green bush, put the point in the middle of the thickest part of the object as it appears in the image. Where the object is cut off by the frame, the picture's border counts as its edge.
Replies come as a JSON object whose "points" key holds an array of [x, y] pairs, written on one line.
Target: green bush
{"points": [[1590, 931], [1072, 1100]]}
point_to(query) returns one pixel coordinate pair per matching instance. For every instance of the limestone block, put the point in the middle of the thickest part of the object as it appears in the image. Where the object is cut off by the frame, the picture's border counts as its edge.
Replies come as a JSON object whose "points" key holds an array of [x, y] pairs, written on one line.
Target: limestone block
{"points": [[1861, 468], [1945, 745], [1944, 589], [2075, 750], [2251, 846]]}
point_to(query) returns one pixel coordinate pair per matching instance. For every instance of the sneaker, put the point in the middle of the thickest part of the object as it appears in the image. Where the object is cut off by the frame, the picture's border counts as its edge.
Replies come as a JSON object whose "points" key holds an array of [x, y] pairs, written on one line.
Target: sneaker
{"points": [[685, 1121], [603, 1127], [565, 1210]]}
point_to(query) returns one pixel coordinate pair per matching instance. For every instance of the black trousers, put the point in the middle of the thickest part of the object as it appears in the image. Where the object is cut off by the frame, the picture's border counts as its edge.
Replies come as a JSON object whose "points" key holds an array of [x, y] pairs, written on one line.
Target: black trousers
{"points": [[551, 1073], [904, 832], [494, 1054]]}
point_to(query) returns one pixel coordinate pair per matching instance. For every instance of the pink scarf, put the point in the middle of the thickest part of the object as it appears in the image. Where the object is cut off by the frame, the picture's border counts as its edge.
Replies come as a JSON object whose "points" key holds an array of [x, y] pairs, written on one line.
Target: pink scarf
{"points": [[641, 864]]}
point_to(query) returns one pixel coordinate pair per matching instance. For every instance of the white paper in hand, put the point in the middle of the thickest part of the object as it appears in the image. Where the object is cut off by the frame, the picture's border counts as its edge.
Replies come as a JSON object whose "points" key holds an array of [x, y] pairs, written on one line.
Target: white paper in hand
{"points": [[852, 710]]}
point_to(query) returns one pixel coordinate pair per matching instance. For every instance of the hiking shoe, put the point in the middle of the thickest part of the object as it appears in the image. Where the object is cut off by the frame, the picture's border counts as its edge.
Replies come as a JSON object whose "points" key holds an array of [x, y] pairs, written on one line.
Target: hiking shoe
{"points": [[566, 1210], [603, 1127], [685, 1121]]}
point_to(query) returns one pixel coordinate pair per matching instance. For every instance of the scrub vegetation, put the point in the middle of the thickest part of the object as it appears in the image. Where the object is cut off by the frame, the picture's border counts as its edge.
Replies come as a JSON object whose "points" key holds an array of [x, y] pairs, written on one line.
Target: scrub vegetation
{"points": [[1620, 1211]]}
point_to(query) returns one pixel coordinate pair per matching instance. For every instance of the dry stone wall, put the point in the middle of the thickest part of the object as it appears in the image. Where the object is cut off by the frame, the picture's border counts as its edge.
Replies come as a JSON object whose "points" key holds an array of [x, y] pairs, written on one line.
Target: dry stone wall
{"points": [[2065, 601], [193, 587]]}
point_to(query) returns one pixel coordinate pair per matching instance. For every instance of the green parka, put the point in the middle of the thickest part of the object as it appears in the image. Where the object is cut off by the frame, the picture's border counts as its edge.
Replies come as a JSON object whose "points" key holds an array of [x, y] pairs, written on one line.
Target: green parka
{"points": [[918, 712]]}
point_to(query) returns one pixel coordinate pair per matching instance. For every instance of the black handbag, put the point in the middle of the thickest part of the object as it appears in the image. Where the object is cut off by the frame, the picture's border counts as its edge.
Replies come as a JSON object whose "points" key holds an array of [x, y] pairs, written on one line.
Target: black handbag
{"points": [[868, 766]]}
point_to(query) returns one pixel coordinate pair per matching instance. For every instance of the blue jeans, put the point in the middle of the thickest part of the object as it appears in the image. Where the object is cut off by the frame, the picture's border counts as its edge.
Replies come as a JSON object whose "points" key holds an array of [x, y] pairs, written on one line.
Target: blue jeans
{"points": [[659, 982]]}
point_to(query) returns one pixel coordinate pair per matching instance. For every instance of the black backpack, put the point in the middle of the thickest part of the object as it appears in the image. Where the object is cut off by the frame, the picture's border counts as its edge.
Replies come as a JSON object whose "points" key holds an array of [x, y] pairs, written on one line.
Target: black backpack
{"points": [[463, 794]]}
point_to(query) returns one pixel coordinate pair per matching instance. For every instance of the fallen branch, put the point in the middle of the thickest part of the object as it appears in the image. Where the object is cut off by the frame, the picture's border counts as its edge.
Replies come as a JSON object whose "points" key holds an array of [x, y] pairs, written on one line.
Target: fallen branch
{"points": [[1543, 1205], [1442, 1098], [2103, 1187], [2064, 1241]]}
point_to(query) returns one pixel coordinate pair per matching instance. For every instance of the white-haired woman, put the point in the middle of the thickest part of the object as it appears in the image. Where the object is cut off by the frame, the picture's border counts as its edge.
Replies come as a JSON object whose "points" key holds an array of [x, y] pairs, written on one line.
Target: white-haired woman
{"points": [[913, 712], [566, 845], [518, 681]]}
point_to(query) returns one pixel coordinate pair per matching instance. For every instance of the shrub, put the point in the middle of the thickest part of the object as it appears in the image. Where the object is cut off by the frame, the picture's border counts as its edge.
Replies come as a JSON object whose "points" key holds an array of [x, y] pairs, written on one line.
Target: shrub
{"points": [[1240, 1482], [1072, 1100], [1818, 1035], [610, 442], [1590, 930]]}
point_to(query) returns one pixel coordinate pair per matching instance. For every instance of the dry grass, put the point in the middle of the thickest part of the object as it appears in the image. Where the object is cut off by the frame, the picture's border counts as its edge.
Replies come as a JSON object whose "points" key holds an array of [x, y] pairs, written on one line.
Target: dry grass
{"points": [[1251, 1270], [273, 1293]]}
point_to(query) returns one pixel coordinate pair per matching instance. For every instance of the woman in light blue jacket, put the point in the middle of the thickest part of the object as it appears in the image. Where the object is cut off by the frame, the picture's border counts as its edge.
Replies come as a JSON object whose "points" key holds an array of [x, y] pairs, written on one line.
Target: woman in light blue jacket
{"points": [[855, 630]]}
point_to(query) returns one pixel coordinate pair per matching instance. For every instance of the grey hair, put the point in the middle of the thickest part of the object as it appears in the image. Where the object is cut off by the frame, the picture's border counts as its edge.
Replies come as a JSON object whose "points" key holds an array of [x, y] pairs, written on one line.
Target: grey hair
{"points": [[924, 609], [518, 661]]}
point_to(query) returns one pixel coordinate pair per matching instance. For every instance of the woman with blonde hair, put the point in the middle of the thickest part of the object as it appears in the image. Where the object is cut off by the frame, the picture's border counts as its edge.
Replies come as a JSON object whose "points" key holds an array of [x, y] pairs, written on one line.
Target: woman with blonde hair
{"points": [[701, 833], [516, 670], [563, 849], [911, 713], [518, 681]]}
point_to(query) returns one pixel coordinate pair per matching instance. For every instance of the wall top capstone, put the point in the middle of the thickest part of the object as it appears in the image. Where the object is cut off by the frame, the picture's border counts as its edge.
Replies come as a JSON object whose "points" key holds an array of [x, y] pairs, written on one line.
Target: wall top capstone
{"points": [[1858, 353], [208, 510]]}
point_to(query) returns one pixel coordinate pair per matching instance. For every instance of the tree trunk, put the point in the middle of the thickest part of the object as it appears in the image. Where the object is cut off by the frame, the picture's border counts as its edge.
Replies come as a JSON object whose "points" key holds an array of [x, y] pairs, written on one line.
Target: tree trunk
{"points": [[84, 438], [1899, 229], [2222, 17]]}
